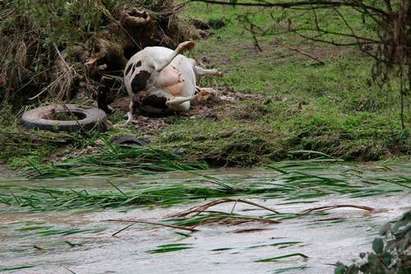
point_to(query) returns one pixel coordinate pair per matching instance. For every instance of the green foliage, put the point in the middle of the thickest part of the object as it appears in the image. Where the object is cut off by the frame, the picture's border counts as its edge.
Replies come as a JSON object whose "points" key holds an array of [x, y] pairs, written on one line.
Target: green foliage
{"points": [[70, 21], [60, 21]]}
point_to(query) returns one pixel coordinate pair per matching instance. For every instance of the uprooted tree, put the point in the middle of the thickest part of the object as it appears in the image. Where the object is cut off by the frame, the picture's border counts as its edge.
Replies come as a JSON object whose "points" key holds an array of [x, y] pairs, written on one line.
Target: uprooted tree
{"points": [[388, 42], [56, 50]]}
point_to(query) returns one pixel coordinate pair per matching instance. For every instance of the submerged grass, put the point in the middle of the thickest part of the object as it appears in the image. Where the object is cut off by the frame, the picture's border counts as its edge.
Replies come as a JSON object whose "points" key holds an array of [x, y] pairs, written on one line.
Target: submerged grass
{"points": [[279, 245], [14, 268], [49, 230], [221, 218], [170, 248], [291, 183], [274, 259]]}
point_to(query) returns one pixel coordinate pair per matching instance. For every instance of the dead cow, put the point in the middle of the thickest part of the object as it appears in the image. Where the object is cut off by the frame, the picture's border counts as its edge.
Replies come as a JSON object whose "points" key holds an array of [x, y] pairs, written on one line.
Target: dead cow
{"points": [[160, 80]]}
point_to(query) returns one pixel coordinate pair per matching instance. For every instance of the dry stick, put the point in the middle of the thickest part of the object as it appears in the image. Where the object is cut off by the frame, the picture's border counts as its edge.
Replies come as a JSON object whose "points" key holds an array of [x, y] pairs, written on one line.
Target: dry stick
{"points": [[204, 207], [323, 208], [152, 223], [121, 230], [61, 56], [238, 220], [68, 71], [69, 270], [233, 208], [50, 85], [329, 219], [31, 80], [72, 73]]}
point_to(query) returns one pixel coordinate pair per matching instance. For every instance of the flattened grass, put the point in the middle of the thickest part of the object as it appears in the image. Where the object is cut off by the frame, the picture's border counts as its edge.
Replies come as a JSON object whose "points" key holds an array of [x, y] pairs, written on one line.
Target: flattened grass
{"points": [[293, 182], [170, 248], [114, 161]]}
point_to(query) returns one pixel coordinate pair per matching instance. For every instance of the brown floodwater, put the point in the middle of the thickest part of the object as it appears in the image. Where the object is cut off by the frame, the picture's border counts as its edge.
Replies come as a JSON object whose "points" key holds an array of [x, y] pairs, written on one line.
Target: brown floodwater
{"points": [[75, 241]]}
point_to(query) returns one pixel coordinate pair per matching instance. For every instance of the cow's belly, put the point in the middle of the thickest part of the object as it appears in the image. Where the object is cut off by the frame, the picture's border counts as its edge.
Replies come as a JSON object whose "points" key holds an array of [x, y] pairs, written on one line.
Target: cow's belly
{"points": [[176, 89], [178, 78], [184, 66]]}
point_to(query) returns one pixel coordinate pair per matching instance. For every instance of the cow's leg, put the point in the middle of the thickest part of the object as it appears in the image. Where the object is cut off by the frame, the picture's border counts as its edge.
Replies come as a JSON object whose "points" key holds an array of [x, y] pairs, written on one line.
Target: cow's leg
{"points": [[199, 71], [130, 111], [203, 94], [203, 91], [178, 100], [187, 45]]}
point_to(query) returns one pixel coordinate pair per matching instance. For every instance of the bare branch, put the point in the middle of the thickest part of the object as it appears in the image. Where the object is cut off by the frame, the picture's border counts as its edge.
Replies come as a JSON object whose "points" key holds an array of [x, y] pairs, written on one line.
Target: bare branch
{"points": [[307, 4]]}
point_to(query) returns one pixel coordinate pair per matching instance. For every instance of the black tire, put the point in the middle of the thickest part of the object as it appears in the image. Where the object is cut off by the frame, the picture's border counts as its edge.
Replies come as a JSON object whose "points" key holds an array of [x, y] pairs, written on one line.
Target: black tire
{"points": [[90, 118]]}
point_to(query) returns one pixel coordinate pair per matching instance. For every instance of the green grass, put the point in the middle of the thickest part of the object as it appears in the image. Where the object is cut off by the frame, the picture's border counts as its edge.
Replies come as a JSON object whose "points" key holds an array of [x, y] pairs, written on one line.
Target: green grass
{"points": [[115, 161], [293, 183], [170, 248], [333, 108]]}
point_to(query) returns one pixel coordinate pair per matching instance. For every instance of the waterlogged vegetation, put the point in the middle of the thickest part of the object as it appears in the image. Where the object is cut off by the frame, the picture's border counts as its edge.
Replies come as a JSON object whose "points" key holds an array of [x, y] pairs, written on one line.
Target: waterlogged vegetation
{"points": [[265, 217], [294, 181], [169, 248], [44, 230]]}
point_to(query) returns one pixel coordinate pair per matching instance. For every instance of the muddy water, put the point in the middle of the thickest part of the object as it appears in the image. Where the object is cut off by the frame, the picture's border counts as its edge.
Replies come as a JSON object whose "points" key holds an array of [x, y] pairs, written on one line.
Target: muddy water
{"points": [[81, 241]]}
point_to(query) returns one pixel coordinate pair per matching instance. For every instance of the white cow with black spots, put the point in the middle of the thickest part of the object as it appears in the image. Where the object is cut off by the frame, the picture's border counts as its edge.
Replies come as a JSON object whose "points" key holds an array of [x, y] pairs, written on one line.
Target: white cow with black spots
{"points": [[162, 79]]}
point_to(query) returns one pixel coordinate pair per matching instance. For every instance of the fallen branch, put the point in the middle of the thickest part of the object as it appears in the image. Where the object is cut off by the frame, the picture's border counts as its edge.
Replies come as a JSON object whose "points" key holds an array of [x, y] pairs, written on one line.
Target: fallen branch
{"points": [[324, 208], [149, 223], [231, 219], [121, 230], [202, 208]]}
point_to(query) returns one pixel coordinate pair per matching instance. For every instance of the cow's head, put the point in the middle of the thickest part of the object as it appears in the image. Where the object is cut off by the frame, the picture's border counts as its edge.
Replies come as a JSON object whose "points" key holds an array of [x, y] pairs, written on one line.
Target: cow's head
{"points": [[139, 79]]}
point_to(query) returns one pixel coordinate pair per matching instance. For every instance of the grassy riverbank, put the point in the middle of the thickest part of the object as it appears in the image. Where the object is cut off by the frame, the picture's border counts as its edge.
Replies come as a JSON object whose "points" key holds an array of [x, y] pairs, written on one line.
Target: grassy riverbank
{"points": [[328, 105], [295, 106]]}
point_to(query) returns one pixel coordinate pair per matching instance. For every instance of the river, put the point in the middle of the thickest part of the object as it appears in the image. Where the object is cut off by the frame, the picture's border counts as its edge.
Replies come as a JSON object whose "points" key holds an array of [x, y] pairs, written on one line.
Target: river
{"points": [[47, 239]]}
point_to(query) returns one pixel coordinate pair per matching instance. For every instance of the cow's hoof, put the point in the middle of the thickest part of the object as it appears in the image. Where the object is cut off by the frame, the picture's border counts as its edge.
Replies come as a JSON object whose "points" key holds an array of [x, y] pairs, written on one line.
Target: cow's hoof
{"points": [[219, 74]]}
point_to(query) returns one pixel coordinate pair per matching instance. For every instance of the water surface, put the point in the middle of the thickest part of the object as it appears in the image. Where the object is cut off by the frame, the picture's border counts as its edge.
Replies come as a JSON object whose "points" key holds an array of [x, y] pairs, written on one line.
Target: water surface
{"points": [[81, 241]]}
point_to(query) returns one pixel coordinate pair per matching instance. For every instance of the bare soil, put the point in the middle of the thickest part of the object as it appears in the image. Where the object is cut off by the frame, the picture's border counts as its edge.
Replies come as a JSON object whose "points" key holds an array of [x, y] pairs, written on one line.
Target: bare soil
{"points": [[217, 107]]}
